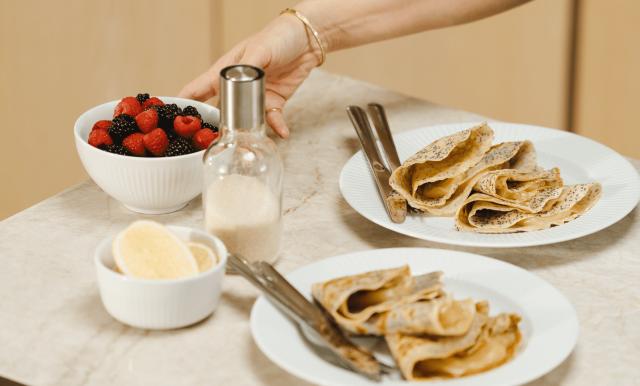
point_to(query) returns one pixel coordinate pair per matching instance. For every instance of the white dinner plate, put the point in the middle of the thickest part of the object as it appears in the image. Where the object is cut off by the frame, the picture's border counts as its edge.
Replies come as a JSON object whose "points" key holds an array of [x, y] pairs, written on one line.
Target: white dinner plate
{"points": [[549, 324], [580, 160]]}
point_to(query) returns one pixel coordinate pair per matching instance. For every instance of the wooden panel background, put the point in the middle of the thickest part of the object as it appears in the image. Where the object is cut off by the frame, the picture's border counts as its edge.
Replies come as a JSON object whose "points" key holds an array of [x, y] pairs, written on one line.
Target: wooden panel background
{"points": [[608, 74]]}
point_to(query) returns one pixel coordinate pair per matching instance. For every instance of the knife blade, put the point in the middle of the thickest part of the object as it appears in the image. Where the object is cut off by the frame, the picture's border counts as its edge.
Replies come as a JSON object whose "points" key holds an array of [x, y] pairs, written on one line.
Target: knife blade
{"points": [[379, 170]]}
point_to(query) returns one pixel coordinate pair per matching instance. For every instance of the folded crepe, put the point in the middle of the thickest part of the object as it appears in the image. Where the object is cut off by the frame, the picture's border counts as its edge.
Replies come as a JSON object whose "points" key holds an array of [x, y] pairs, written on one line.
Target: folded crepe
{"points": [[424, 178], [439, 316], [487, 343], [547, 207], [354, 300], [517, 185], [519, 156]]}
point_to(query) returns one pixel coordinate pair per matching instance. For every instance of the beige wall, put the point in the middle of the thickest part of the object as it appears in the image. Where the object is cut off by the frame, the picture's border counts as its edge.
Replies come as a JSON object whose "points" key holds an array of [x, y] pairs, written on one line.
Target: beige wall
{"points": [[59, 58]]}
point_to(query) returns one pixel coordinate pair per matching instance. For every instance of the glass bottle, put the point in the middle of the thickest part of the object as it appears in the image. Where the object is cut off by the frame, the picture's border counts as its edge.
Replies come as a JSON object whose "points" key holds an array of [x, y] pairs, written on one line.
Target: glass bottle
{"points": [[242, 193]]}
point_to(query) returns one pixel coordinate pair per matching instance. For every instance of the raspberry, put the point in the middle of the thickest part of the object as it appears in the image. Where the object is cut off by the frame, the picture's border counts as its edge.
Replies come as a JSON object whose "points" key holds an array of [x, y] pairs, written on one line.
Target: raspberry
{"points": [[153, 101], [134, 144], [156, 142], [129, 106], [122, 126], [186, 126], [203, 138], [99, 138], [179, 146], [116, 149], [142, 97], [147, 120], [190, 110], [207, 125], [102, 125]]}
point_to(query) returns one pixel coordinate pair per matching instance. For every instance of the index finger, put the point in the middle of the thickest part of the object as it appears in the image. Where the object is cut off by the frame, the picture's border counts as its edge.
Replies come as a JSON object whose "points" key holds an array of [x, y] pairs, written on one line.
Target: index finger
{"points": [[203, 87]]}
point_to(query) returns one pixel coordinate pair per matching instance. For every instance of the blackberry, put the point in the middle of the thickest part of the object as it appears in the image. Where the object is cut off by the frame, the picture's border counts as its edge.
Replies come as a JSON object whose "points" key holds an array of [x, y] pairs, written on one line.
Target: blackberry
{"points": [[116, 149], [207, 125], [142, 97], [122, 126], [190, 110], [179, 146], [166, 115]]}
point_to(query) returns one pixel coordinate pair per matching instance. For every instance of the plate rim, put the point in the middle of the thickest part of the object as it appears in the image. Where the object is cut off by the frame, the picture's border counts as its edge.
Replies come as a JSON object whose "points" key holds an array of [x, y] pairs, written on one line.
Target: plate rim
{"points": [[262, 303], [385, 223]]}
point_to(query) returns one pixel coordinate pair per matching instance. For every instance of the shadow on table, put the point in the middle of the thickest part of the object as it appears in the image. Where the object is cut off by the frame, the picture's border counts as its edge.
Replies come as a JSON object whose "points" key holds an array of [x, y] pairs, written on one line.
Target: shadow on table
{"points": [[269, 373], [241, 303], [527, 257]]}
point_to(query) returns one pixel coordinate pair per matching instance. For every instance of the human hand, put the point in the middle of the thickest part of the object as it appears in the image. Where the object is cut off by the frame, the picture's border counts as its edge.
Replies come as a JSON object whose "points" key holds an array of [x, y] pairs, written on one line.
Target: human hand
{"points": [[283, 49]]}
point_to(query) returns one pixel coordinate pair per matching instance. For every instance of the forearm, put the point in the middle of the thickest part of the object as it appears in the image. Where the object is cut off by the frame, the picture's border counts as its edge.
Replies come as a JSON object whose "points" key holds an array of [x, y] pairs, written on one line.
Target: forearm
{"points": [[350, 23]]}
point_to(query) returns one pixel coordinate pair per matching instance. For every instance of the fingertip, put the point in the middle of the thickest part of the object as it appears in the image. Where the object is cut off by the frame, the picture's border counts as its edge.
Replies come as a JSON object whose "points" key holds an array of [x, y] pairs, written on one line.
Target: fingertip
{"points": [[201, 88], [185, 93], [277, 123]]}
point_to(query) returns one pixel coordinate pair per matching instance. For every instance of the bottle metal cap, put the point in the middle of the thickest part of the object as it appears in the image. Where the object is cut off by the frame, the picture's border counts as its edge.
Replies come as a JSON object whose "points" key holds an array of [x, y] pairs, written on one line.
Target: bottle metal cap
{"points": [[242, 96]]}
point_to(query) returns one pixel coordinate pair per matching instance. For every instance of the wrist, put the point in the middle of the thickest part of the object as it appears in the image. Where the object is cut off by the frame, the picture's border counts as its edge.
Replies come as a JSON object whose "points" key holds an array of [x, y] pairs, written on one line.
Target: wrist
{"points": [[311, 16], [324, 21]]}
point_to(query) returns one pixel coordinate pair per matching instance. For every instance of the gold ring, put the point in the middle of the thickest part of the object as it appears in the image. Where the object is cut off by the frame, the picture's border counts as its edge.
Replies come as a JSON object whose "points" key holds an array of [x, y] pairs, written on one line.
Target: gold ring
{"points": [[274, 109]]}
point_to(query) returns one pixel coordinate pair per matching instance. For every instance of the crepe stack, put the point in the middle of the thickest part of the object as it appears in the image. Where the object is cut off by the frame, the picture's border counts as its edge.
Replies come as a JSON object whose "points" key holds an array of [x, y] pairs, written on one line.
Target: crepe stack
{"points": [[429, 333], [356, 302], [510, 201], [488, 343], [489, 189], [432, 175]]}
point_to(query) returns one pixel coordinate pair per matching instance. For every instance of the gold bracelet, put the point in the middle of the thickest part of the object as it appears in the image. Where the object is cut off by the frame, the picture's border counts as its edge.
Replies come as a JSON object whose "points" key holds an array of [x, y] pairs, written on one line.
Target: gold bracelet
{"points": [[314, 32]]}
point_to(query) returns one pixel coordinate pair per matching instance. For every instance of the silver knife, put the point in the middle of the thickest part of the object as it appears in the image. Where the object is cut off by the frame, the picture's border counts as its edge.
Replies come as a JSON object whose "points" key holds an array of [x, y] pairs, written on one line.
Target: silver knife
{"points": [[392, 202], [379, 118]]}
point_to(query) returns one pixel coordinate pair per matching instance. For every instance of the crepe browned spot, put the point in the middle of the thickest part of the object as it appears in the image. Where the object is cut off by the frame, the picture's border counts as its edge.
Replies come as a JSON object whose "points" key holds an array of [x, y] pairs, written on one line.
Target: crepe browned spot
{"points": [[548, 207], [441, 316], [353, 300], [430, 173]]}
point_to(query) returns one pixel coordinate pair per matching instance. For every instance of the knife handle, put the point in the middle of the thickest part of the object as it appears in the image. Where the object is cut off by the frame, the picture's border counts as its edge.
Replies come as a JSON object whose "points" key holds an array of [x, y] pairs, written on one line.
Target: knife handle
{"points": [[394, 204], [379, 118], [363, 129]]}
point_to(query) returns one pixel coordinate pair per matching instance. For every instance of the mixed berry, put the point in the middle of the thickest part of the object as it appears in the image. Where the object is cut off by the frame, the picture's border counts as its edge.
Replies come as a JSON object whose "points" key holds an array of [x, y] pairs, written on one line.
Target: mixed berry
{"points": [[144, 126]]}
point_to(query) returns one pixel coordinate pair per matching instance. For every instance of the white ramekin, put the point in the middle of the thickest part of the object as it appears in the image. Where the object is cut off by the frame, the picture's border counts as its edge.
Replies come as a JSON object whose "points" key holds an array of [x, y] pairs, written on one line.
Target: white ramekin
{"points": [[161, 304], [145, 185]]}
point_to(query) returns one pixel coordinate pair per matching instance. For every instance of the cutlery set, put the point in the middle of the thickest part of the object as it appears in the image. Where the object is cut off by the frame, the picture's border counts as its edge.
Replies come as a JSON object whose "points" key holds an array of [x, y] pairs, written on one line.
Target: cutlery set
{"points": [[316, 327], [394, 204]]}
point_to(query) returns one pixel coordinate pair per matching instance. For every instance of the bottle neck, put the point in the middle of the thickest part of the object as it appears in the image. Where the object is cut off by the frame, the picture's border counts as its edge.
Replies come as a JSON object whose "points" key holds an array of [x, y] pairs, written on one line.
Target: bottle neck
{"points": [[229, 131]]}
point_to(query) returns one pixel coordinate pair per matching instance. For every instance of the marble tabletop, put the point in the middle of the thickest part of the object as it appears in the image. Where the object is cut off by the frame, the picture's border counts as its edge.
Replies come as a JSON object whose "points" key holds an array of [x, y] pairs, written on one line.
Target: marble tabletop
{"points": [[54, 330]]}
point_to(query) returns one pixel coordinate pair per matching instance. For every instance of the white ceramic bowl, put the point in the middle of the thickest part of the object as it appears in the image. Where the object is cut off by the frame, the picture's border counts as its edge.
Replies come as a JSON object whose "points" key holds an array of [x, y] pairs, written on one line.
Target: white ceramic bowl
{"points": [[145, 185], [161, 304]]}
